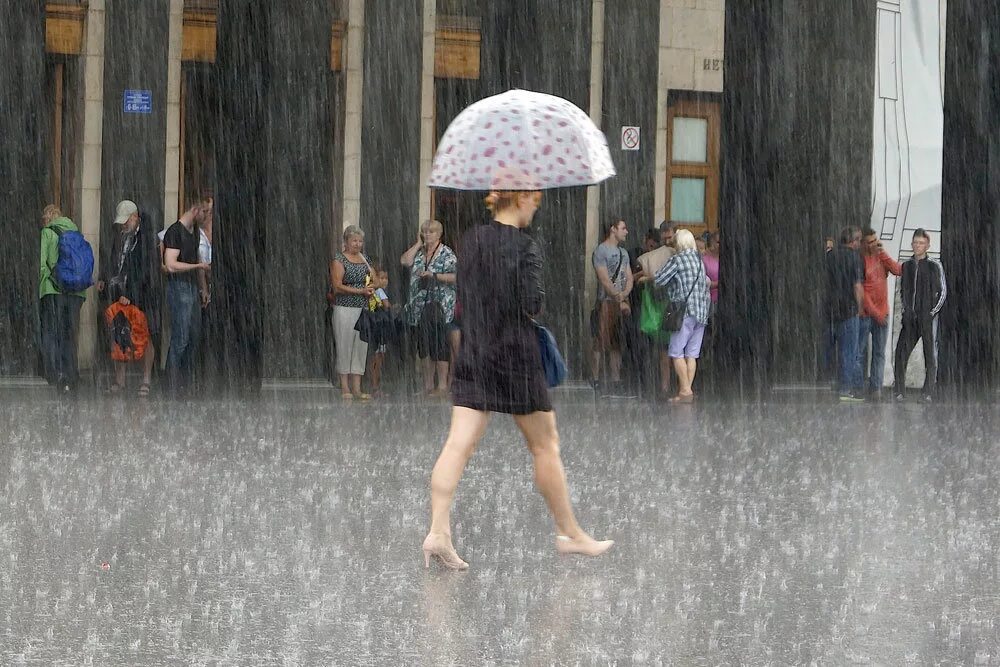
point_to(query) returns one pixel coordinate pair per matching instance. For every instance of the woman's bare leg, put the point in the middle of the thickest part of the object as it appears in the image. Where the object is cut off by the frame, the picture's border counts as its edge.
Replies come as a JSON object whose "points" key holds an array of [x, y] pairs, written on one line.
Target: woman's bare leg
{"points": [[344, 387], [442, 376], [542, 438], [428, 368], [664, 372], [147, 364], [692, 367], [683, 381], [467, 427]]}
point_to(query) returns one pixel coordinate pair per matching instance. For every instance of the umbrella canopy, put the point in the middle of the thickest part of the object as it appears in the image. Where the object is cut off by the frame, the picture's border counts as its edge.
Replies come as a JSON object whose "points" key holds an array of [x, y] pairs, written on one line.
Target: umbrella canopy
{"points": [[521, 140]]}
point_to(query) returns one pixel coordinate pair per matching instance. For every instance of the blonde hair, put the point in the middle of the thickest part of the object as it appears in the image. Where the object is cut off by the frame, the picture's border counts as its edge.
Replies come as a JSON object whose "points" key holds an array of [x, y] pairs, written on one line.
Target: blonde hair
{"points": [[352, 230], [684, 240], [431, 226], [50, 213], [498, 201]]}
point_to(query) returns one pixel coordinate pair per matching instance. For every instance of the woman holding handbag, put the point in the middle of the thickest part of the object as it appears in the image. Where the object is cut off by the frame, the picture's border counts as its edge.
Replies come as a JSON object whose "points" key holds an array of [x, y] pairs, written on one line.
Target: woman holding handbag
{"points": [[684, 277], [499, 369], [430, 309], [350, 281]]}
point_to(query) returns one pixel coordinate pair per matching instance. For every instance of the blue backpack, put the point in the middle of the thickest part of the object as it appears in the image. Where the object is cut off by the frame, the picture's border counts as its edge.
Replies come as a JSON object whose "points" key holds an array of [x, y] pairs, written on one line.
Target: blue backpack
{"points": [[74, 270]]}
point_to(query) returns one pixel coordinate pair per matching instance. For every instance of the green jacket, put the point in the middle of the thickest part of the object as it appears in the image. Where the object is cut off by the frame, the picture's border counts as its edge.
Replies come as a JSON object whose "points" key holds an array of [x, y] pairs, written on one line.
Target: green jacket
{"points": [[50, 255]]}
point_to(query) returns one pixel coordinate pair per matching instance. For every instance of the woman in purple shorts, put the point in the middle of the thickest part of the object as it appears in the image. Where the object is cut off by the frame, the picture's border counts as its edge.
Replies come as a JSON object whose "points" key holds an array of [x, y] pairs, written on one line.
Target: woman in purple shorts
{"points": [[684, 276]]}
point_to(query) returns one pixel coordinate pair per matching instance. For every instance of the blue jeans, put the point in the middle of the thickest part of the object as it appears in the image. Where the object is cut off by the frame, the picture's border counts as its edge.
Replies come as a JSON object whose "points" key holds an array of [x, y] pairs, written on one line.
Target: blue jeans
{"points": [[185, 329], [846, 335], [879, 333]]}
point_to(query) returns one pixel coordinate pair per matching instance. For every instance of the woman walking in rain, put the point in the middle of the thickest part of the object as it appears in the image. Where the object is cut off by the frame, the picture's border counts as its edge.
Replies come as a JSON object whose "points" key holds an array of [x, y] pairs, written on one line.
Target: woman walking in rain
{"points": [[499, 364], [499, 369]]}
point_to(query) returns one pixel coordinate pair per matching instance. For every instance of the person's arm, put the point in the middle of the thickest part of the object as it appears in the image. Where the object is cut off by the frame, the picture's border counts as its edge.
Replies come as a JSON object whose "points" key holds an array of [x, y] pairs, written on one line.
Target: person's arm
{"points": [[408, 257], [174, 265], [49, 255], [530, 277], [891, 265], [605, 280], [859, 283], [206, 296], [944, 290], [666, 273], [629, 282]]}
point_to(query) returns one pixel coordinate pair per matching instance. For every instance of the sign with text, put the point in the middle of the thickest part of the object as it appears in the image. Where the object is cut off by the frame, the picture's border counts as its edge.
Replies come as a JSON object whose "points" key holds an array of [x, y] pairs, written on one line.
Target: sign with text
{"points": [[630, 138], [137, 101]]}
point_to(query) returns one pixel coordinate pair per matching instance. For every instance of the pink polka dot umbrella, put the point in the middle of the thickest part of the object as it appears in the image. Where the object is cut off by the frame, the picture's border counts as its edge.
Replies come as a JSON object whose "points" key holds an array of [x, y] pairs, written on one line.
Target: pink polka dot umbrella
{"points": [[521, 140]]}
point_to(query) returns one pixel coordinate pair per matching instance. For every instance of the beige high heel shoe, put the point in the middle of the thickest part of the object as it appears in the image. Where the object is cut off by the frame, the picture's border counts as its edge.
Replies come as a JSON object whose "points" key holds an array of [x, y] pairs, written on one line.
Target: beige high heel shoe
{"points": [[444, 552], [588, 547]]}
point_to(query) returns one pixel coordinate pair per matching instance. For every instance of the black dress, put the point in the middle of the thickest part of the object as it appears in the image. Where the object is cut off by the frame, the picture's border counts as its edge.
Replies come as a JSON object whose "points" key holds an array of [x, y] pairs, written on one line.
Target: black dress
{"points": [[499, 367]]}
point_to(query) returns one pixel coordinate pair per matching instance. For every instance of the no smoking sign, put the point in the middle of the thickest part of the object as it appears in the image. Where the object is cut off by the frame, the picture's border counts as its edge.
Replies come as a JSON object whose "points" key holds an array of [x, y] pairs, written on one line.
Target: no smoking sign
{"points": [[630, 138]]}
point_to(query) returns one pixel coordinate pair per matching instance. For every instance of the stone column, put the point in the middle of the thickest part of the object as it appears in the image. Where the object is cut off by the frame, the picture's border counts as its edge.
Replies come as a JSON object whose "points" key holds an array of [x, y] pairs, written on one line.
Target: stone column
{"points": [[970, 223], [631, 30], [298, 170], [22, 180], [353, 90], [427, 105], [133, 144], [273, 154], [391, 128], [172, 171], [797, 119], [546, 47], [596, 111], [89, 168], [238, 245]]}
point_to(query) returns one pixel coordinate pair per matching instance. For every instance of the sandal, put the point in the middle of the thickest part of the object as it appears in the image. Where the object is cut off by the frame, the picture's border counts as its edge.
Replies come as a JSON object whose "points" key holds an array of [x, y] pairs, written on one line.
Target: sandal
{"points": [[682, 398], [347, 396], [363, 396], [114, 389], [144, 390]]}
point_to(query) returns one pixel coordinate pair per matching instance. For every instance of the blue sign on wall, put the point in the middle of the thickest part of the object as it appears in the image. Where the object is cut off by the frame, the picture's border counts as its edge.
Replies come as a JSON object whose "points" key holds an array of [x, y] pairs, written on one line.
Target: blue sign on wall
{"points": [[137, 101]]}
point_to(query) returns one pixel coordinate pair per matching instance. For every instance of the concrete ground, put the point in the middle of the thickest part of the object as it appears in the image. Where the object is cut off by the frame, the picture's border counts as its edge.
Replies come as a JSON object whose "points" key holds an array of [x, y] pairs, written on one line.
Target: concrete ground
{"points": [[287, 531]]}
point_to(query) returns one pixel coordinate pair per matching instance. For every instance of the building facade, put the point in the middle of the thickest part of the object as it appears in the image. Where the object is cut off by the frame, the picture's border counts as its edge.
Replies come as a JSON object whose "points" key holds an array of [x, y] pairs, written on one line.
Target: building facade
{"points": [[303, 117]]}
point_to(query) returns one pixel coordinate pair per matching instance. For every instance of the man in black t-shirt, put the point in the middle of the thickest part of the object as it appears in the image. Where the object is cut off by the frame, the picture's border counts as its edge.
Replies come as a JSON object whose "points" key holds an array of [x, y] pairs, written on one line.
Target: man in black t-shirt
{"points": [[180, 258], [845, 279]]}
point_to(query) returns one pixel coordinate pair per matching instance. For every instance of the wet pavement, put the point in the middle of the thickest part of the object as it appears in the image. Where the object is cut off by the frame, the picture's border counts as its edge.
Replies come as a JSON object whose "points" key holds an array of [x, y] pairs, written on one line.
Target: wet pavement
{"points": [[288, 531]]}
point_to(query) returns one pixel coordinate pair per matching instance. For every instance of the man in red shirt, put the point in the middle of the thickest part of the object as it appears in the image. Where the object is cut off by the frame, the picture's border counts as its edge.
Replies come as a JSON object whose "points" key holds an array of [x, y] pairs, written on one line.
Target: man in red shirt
{"points": [[875, 307]]}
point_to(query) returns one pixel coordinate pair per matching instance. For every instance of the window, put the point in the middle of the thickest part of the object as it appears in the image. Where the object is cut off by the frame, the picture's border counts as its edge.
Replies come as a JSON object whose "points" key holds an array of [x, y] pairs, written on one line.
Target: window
{"points": [[693, 168]]}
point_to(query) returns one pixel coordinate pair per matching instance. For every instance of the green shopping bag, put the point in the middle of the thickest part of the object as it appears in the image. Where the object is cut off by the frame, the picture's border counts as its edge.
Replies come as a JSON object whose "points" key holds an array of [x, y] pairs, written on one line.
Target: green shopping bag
{"points": [[651, 317]]}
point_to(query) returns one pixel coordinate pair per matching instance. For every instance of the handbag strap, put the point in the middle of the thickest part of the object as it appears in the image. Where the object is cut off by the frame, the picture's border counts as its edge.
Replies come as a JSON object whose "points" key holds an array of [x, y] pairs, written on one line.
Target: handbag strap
{"points": [[618, 270], [434, 280], [694, 283]]}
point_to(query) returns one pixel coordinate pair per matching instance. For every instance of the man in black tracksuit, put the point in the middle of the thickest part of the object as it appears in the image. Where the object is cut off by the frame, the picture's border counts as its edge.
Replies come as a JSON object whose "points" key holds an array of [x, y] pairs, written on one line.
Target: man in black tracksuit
{"points": [[924, 292]]}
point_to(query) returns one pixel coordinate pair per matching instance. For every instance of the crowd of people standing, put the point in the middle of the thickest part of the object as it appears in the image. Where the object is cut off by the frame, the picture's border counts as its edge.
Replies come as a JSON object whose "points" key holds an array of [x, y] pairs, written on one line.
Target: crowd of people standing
{"points": [[130, 286], [672, 268], [857, 312]]}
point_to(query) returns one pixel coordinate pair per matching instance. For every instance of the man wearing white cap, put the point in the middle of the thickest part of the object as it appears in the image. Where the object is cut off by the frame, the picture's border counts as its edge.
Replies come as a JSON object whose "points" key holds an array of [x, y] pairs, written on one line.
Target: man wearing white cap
{"points": [[130, 278]]}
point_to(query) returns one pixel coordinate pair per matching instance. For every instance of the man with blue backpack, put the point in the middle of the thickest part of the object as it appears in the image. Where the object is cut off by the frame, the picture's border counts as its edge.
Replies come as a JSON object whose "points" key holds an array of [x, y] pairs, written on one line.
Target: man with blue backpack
{"points": [[66, 270]]}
